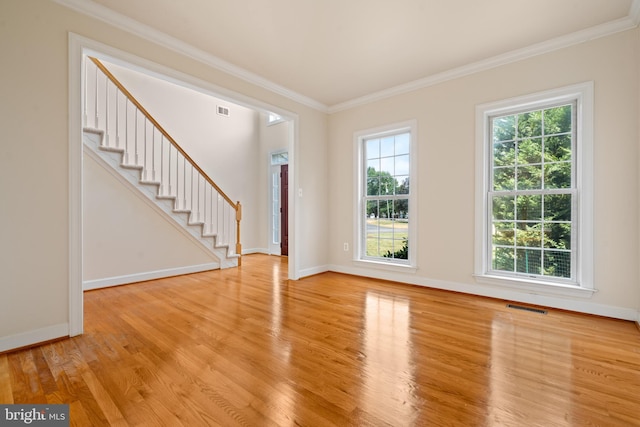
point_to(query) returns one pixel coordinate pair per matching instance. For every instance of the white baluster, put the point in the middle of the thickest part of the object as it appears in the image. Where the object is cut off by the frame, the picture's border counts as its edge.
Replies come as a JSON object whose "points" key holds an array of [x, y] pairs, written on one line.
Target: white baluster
{"points": [[106, 112], [169, 169], [163, 185], [117, 120], [96, 100], [145, 172], [199, 198], [153, 154], [135, 135], [126, 131], [184, 183], [86, 89]]}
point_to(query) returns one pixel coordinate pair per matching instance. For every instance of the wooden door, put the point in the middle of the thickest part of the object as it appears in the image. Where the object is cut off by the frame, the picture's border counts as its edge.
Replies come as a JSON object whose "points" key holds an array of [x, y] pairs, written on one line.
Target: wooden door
{"points": [[284, 210]]}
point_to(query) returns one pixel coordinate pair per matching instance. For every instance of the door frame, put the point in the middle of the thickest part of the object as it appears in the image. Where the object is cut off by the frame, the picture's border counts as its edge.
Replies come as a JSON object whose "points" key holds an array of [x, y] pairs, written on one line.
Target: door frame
{"points": [[80, 46]]}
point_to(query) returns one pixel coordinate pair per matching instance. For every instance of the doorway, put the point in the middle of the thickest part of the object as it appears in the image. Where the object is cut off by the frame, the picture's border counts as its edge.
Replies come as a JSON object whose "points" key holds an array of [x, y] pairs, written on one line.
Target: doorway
{"points": [[79, 47], [279, 203]]}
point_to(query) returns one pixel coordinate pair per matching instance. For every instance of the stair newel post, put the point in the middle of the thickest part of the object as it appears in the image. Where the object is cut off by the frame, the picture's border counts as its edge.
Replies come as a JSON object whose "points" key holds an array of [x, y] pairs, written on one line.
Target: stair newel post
{"points": [[238, 244]]}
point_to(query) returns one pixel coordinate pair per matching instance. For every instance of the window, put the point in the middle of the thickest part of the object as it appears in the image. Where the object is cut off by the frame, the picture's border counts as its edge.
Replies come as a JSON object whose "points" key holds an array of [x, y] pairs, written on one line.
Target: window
{"points": [[386, 188], [534, 205], [273, 118]]}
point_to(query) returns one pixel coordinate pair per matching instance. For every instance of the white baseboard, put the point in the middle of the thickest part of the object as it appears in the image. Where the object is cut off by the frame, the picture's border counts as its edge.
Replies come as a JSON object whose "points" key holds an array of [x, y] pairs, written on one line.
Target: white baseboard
{"points": [[264, 251], [36, 336], [88, 285], [550, 301], [314, 270]]}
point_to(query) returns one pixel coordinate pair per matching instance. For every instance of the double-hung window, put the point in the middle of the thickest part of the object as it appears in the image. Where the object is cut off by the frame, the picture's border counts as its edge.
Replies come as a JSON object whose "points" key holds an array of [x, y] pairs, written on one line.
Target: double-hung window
{"points": [[534, 217], [386, 188]]}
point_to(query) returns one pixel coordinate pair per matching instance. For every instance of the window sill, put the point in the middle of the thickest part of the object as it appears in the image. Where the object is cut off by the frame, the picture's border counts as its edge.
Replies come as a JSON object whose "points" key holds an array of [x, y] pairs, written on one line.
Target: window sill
{"points": [[399, 268], [535, 287]]}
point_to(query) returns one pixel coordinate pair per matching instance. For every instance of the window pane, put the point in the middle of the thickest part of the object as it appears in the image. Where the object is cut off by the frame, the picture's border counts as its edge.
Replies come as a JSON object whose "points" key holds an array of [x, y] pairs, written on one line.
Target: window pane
{"points": [[530, 151], [557, 263], [402, 165], [529, 177], [557, 236], [387, 165], [373, 184], [387, 146], [504, 179], [373, 148], [503, 208], [557, 207], [504, 153], [504, 128], [557, 175], [504, 233], [557, 148], [372, 210], [529, 261], [529, 208], [557, 120], [402, 185], [503, 259], [529, 235], [530, 124], [401, 214], [403, 142]]}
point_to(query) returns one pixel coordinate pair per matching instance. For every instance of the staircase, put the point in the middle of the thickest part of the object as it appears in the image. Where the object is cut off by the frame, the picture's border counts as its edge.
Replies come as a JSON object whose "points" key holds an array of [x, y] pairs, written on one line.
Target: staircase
{"points": [[118, 131]]}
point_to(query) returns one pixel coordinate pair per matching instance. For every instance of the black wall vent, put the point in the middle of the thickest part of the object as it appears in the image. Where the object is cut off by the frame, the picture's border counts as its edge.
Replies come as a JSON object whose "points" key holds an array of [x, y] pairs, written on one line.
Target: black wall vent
{"points": [[531, 309]]}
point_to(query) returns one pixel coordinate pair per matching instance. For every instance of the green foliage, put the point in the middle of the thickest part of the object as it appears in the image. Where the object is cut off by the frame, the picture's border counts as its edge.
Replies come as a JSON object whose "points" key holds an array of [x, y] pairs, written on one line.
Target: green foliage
{"points": [[532, 151], [402, 253]]}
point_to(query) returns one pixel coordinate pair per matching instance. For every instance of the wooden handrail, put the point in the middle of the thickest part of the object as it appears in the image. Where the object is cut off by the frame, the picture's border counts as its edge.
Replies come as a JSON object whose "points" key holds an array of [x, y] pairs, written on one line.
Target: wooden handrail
{"points": [[236, 206]]}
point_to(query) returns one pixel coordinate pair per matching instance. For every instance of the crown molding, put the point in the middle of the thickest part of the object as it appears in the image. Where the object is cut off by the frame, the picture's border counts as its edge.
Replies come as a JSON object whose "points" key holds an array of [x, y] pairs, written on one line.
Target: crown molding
{"points": [[629, 22], [97, 11], [122, 22]]}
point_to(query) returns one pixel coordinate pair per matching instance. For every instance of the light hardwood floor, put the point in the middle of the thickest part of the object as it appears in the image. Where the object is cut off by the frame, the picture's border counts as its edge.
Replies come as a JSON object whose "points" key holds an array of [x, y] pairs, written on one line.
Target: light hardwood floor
{"points": [[247, 347]]}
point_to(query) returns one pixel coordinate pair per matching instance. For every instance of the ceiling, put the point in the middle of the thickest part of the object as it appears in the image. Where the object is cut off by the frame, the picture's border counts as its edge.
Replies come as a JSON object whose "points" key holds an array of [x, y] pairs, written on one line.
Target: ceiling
{"points": [[337, 51]]}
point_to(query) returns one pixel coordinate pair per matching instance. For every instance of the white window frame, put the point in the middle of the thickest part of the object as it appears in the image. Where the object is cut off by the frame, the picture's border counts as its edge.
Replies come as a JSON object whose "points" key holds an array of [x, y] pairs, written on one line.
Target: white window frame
{"points": [[359, 241], [582, 95]]}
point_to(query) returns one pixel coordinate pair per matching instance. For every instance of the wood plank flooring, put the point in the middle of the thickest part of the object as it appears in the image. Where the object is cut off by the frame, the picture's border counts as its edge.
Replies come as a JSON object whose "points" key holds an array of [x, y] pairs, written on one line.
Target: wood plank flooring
{"points": [[245, 347]]}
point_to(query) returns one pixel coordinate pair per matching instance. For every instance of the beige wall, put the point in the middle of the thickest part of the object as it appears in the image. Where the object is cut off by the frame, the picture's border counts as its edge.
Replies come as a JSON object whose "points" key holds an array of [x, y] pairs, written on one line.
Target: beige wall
{"points": [[34, 167], [446, 150]]}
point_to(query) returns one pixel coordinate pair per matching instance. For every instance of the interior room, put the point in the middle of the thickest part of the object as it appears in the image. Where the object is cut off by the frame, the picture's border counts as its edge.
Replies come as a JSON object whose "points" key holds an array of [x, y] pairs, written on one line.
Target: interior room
{"points": [[406, 213]]}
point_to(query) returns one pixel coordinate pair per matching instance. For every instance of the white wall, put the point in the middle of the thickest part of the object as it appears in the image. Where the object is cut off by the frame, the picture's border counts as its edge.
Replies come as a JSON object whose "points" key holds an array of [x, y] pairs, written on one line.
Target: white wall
{"points": [[124, 237], [35, 207], [445, 115]]}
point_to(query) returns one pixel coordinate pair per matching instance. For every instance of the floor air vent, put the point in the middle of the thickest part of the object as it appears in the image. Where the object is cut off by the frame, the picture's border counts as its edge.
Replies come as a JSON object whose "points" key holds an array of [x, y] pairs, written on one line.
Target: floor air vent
{"points": [[531, 309]]}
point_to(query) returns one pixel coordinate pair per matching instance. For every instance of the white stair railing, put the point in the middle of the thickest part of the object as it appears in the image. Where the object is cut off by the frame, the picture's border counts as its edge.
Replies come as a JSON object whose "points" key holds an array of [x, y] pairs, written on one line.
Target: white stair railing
{"points": [[130, 129]]}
